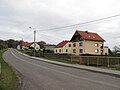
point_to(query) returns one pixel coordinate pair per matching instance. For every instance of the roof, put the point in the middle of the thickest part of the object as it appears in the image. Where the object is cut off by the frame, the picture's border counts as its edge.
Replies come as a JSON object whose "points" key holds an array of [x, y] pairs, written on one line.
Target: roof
{"points": [[49, 45], [90, 36], [26, 44], [61, 44]]}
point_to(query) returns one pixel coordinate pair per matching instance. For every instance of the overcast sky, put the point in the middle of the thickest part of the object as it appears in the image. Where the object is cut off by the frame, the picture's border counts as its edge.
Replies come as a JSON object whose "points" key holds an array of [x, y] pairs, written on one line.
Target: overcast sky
{"points": [[16, 16]]}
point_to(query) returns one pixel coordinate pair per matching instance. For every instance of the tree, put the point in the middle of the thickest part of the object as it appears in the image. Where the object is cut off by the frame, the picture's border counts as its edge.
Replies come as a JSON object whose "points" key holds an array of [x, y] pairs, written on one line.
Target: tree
{"points": [[3, 44], [41, 44], [110, 52], [12, 43], [116, 49]]}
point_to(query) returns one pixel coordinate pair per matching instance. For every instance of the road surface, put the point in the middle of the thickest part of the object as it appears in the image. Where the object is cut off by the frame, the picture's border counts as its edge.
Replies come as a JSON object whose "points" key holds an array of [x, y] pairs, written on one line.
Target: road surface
{"points": [[38, 75]]}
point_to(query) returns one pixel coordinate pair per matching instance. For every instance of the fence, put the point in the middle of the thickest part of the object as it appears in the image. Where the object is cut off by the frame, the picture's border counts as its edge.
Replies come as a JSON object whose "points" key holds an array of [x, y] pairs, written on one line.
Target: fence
{"points": [[105, 61], [101, 61]]}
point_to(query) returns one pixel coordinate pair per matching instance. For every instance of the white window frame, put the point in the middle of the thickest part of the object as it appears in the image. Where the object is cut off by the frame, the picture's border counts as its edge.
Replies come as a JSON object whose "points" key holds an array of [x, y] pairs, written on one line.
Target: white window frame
{"points": [[96, 51], [96, 44]]}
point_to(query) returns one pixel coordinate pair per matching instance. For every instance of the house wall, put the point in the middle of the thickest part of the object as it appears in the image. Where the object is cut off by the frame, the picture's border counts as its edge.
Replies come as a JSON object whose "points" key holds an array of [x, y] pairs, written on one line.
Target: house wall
{"points": [[18, 47], [37, 47], [89, 47], [49, 47], [24, 48], [77, 48], [106, 51], [57, 50], [65, 49]]}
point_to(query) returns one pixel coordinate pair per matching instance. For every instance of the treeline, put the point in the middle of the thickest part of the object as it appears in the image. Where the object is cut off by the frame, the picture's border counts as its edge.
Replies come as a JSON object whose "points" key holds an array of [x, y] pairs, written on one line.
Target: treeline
{"points": [[9, 43]]}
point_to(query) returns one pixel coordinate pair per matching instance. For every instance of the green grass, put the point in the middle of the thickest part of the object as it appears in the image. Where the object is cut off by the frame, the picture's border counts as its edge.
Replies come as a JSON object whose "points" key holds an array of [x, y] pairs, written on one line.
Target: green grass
{"points": [[51, 59], [8, 79], [23, 51], [58, 60], [118, 68]]}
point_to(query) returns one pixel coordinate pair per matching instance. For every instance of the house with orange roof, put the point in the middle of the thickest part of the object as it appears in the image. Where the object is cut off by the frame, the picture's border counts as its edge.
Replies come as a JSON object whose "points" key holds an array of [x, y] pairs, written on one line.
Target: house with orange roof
{"points": [[27, 45], [63, 47], [83, 42]]}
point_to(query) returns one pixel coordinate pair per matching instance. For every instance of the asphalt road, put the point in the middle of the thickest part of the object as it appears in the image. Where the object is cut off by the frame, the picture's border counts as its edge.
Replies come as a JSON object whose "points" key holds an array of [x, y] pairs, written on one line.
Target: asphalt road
{"points": [[38, 75]]}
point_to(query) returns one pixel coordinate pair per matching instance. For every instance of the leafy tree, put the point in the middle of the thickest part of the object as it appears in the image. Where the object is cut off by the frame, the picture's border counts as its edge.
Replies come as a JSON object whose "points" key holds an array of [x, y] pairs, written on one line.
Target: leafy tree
{"points": [[41, 44]]}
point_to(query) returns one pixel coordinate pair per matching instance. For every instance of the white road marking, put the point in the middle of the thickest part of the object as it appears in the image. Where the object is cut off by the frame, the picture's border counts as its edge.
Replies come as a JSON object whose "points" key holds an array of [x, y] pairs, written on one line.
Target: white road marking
{"points": [[71, 75]]}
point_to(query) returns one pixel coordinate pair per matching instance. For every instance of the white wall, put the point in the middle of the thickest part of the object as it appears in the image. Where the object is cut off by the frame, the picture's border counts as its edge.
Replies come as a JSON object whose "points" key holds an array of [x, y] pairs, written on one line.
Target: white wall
{"points": [[37, 47]]}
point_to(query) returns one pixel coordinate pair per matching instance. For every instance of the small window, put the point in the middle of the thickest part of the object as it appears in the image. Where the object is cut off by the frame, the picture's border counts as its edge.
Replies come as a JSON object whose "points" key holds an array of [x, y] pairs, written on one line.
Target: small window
{"points": [[56, 50], [69, 45], [74, 50], [66, 50], [81, 51], [96, 44], [101, 44], [81, 43], [74, 45], [59, 50], [37, 48], [96, 51]]}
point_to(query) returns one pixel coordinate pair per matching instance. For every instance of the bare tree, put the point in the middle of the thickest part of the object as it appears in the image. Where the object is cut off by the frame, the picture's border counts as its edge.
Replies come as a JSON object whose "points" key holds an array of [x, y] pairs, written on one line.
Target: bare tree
{"points": [[116, 49]]}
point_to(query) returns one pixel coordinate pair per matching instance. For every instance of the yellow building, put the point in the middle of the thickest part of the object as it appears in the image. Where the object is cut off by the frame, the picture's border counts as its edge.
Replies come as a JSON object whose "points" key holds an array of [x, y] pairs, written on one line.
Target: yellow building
{"points": [[83, 42]]}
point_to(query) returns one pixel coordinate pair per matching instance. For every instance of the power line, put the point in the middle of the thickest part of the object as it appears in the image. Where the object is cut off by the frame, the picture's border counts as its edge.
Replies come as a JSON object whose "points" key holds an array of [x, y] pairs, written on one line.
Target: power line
{"points": [[87, 22], [48, 36]]}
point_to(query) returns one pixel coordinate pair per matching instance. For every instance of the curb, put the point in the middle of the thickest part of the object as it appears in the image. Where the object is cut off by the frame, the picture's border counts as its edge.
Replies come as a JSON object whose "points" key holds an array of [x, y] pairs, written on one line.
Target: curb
{"points": [[87, 68]]}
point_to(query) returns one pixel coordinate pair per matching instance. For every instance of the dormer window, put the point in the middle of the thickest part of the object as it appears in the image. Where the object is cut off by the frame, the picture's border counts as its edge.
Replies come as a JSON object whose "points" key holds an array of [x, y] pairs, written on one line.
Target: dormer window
{"points": [[93, 36]]}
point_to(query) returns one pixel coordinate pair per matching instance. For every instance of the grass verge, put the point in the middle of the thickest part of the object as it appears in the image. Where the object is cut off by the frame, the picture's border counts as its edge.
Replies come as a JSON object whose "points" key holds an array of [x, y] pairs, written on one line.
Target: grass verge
{"points": [[8, 79], [118, 68], [51, 59]]}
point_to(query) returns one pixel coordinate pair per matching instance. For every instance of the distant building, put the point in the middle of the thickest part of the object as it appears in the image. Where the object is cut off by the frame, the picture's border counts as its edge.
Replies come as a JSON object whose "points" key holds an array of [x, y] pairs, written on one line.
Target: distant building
{"points": [[83, 42], [49, 47], [27, 45], [37, 47], [63, 47]]}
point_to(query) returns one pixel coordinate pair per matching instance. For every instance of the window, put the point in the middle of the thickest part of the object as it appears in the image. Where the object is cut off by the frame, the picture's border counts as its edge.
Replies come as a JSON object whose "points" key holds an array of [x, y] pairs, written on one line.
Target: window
{"points": [[37, 48], [56, 50], [96, 51], [81, 43], [101, 45], [96, 44], [74, 50], [59, 50], [74, 45], [66, 50], [81, 51], [69, 45]]}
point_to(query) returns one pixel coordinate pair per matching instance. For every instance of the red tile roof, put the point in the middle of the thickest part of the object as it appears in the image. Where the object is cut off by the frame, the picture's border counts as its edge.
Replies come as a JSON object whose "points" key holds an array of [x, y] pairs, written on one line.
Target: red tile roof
{"points": [[26, 44], [90, 36], [61, 44]]}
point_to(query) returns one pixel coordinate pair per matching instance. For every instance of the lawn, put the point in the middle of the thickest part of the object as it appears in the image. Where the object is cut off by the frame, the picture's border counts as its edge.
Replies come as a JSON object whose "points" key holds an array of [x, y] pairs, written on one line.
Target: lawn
{"points": [[118, 68], [8, 79], [48, 58]]}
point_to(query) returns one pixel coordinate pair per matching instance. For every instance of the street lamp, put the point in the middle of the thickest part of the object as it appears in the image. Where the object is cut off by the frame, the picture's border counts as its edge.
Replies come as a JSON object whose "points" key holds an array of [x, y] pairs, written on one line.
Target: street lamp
{"points": [[34, 38]]}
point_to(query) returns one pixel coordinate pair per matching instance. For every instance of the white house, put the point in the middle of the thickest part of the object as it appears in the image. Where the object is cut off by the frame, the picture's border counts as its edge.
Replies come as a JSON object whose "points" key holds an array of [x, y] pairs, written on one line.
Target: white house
{"points": [[83, 42], [27, 45], [37, 47]]}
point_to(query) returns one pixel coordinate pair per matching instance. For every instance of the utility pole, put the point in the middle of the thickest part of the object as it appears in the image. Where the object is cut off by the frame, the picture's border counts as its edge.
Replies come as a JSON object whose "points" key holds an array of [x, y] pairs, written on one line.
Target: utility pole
{"points": [[34, 40], [21, 43]]}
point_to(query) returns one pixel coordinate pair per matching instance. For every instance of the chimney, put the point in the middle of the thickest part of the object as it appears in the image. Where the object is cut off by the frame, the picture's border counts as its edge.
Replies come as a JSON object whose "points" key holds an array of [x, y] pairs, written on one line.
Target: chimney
{"points": [[86, 31]]}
